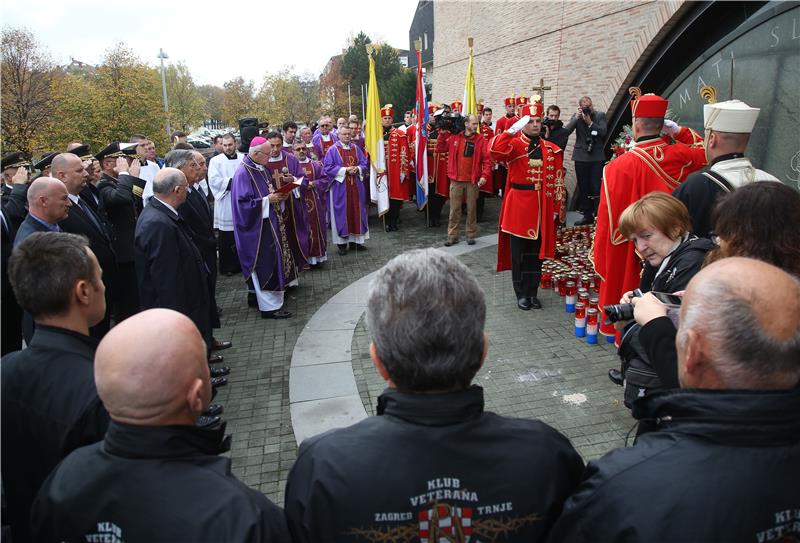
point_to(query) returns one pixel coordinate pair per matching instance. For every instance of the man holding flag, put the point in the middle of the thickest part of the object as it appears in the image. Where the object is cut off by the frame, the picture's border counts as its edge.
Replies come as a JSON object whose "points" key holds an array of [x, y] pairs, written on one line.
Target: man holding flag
{"points": [[398, 166]]}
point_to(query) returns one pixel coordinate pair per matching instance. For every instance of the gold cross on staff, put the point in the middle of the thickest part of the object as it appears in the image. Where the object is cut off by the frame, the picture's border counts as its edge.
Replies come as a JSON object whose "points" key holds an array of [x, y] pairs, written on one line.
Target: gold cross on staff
{"points": [[541, 88]]}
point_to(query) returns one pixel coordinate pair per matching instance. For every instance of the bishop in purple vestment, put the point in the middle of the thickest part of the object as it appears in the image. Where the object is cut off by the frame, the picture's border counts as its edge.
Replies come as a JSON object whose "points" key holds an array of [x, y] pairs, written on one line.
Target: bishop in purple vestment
{"points": [[269, 237], [346, 167]]}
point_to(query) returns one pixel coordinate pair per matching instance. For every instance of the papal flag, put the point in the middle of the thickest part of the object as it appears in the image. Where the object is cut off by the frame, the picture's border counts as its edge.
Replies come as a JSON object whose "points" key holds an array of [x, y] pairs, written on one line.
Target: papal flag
{"points": [[470, 102], [373, 134]]}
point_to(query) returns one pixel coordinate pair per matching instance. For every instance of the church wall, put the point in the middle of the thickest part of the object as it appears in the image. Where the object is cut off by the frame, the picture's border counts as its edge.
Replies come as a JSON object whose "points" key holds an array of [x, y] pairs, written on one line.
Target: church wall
{"points": [[579, 48]]}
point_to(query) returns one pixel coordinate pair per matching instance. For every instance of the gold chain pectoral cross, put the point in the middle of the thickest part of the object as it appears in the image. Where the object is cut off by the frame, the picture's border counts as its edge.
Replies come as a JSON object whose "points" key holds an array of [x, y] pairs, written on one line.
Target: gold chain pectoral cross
{"points": [[541, 88]]}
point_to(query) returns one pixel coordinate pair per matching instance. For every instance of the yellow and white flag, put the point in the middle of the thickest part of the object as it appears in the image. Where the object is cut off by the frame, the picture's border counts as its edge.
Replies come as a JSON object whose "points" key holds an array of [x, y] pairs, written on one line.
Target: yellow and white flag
{"points": [[373, 134], [470, 103]]}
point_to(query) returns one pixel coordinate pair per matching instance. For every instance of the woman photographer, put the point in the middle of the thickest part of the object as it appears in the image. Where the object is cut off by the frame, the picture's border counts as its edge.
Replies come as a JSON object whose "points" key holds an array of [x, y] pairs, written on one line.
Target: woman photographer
{"points": [[756, 221], [658, 224]]}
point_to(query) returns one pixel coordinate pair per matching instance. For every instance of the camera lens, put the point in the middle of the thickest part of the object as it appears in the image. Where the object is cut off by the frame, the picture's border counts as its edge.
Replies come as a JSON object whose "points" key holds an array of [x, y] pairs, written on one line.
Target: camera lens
{"points": [[618, 312]]}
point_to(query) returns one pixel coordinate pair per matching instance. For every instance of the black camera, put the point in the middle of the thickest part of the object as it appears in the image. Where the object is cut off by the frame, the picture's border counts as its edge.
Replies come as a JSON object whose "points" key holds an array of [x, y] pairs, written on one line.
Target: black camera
{"points": [[620, 312], [551, 123], [452, 121], [590, 141], [586, 110]]}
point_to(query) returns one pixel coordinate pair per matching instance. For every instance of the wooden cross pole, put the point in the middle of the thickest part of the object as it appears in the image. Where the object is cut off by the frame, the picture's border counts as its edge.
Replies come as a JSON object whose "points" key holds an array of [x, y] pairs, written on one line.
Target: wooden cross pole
{"points": [[541, 88]]}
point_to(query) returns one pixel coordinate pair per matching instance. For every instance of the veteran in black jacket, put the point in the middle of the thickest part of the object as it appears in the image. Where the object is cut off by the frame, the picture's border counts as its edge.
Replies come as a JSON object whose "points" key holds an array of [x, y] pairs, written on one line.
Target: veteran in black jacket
{"points": [[432, 462], [84, 220], [724, 462], [155, 477], [49, 401], [172, 273]]}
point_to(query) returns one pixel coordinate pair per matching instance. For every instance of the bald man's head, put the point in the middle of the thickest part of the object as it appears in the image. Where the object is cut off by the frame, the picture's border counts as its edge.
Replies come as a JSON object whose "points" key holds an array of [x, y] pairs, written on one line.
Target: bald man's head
{"points": [[48, 200], [152, 370], [739, 327]]}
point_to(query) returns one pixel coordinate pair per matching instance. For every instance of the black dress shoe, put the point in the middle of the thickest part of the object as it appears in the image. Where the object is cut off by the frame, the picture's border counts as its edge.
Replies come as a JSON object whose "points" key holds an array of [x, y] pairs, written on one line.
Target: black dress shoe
{"points": [[219, 381], [535, 303], [277, 314], [215, 359], [450, 242], [343, 249], [470, 242], [360, 247], [206, 421], [220, 345], [251, 299], [616, 377], [219, 372], [585, 221], [524, 304], [213, 410]]}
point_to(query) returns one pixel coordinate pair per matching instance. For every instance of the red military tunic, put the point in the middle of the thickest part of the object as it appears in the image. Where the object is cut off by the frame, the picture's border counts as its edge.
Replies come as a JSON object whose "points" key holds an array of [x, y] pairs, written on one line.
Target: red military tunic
{"points": [[531, 214], [504, 123], [653, 165], [398, 156], [490, 187], [440, 173]]}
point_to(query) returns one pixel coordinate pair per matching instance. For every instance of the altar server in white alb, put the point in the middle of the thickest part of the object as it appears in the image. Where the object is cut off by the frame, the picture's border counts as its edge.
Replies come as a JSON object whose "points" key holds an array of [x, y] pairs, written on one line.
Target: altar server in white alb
{"points": [[728, 127], [220, 174]]}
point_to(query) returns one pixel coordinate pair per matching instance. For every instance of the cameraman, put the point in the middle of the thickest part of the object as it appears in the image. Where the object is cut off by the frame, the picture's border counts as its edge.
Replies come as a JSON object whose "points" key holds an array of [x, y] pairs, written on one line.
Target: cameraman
{"points": [[588, 156], [554, 130]]}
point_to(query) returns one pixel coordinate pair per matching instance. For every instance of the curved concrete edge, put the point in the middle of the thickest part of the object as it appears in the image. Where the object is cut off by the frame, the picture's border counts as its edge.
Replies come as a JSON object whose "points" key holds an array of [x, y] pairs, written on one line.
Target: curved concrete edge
{"points": [[322, 387]]}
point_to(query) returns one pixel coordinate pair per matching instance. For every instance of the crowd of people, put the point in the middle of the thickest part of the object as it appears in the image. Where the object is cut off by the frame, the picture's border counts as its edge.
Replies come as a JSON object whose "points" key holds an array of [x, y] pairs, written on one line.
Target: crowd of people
{"points": [[109, 433]]}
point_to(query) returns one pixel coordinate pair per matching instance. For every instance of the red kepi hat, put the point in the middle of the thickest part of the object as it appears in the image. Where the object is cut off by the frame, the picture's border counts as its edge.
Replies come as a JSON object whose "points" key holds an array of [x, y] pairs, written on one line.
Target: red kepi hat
{"points": [[535, 108], [456, 106], [387, 111]]}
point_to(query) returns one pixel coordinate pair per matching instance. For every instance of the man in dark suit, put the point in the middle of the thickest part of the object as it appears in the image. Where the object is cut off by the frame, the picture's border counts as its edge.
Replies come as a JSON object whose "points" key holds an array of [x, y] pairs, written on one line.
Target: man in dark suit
{"points": [[49, 401], [588, 155], [16, 177], [48, 204], [11, 321], [171, 270], [197, 215], [121, 196], [82, 219]]}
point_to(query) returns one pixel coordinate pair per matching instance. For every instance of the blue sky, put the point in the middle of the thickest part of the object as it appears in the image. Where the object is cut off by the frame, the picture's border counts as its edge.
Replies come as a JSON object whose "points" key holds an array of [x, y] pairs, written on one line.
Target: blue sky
{"points": [[298, 34]]}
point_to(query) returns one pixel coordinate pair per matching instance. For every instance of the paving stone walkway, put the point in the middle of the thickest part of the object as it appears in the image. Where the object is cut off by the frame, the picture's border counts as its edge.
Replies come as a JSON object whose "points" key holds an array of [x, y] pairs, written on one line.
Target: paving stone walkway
{"points": [[535, 368]]}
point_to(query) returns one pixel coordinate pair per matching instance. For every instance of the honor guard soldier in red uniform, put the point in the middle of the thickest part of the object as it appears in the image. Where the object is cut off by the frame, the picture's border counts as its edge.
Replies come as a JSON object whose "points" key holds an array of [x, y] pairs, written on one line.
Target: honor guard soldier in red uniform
{"points": [[398, 167], [505, 122], [489, 188], [657, 163], [533, 205]]}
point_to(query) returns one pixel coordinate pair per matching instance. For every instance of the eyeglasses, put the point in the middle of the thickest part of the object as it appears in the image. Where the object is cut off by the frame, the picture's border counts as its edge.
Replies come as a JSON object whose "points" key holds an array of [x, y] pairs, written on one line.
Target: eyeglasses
{"points": [[326, 125]]}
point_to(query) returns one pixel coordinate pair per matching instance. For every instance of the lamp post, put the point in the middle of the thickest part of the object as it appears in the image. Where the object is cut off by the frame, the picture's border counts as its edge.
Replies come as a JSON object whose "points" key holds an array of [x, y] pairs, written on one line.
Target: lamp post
{"points": [[162, 55]]}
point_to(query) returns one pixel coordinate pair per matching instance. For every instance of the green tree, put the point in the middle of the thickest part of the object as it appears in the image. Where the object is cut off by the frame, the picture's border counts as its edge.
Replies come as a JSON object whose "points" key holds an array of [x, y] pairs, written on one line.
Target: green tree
{"points": [[186, 108], [213, 97], [238, 101], [27, 77]]}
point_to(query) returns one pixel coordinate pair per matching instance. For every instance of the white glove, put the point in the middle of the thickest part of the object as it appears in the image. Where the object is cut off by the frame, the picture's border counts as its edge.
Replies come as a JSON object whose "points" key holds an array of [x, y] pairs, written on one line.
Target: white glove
{"points": [[519, 125], [671, 127]]}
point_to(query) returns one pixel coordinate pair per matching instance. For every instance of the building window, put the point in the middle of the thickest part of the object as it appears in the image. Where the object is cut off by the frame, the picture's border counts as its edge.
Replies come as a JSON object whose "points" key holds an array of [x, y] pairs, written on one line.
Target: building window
{"points": [[426, 40]]}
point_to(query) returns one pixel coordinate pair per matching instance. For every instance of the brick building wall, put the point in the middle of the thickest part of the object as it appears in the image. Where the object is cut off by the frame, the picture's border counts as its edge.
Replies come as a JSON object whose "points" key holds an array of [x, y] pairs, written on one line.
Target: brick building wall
{"points": [[578, 48]]}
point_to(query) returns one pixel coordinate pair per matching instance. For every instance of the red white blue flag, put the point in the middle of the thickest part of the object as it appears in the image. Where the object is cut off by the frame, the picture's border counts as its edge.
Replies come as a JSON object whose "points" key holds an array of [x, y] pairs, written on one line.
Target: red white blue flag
{"points": [[421, 154]]}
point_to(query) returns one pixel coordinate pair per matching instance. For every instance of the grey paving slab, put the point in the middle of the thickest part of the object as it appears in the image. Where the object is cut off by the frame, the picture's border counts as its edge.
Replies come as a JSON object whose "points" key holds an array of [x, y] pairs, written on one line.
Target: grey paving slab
{"points": [[315, 347], [321, 382], [327, 414], [336, 316]]}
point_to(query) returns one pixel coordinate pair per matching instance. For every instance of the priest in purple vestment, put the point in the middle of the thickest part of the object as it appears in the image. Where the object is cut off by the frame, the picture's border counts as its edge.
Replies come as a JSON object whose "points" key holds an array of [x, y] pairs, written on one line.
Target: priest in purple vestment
{"points": [[316, 205], [324, 138], [269, 237], [346, 168]]}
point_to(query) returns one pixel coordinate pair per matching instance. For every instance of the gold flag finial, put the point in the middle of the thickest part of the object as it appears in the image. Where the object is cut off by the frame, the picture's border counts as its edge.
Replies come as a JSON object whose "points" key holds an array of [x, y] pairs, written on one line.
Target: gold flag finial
{"points": [[370, 48], [636, 92], [470, 41], [709, 93]]}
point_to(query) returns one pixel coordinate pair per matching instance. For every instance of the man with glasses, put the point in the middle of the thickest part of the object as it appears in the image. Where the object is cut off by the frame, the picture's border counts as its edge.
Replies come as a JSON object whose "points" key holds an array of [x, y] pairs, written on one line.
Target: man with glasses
{"points": [[265, 232], [324, 138]]}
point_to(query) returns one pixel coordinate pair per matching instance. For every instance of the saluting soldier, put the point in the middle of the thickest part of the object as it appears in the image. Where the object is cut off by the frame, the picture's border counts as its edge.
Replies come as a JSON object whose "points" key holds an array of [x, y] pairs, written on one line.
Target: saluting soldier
{"points": [[120, 191], [534, 204]]}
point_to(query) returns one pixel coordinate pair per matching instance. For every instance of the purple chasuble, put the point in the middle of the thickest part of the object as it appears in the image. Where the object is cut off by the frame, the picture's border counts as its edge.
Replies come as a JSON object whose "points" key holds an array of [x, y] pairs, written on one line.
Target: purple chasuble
{"points": [[344, 200]]}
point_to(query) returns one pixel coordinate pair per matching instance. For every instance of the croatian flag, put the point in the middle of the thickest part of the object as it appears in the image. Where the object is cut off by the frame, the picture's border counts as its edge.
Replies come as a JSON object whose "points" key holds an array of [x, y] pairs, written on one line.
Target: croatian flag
{"points": [[421, 155]]}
